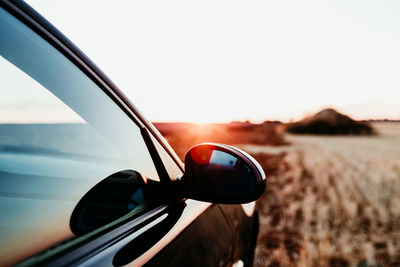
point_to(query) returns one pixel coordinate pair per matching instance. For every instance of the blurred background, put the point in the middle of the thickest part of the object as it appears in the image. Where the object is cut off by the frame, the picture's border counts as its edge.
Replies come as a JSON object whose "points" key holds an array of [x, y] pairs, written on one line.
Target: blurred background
{"points": [[311, 89]]}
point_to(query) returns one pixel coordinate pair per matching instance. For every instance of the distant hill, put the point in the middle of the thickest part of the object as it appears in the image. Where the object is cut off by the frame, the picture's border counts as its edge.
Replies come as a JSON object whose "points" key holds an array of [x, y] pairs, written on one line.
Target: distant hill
{"points": [[329, 122]]}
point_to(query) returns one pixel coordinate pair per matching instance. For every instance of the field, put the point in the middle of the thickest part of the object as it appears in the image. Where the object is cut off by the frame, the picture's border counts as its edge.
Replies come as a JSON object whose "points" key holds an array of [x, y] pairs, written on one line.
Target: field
{"points": [[333, 201], [330, 201]]}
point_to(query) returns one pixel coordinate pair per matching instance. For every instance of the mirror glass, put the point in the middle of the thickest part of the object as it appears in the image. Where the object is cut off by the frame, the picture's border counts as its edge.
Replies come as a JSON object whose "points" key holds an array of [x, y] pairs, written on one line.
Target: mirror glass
{"points": [[223, 160], [222, 174]]}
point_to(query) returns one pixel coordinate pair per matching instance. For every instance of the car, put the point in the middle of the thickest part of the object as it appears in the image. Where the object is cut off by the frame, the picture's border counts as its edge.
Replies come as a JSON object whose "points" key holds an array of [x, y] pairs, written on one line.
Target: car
{"points": [[86, 180]]}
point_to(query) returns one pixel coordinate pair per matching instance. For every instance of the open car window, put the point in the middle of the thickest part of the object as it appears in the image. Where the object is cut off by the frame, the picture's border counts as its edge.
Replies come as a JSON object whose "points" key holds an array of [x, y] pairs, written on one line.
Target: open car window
{"points": [[60, 136]]}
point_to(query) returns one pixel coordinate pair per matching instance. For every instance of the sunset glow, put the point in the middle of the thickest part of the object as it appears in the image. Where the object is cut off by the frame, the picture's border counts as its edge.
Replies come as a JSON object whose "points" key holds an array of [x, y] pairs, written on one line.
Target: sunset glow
{"points": [[222, 61]]}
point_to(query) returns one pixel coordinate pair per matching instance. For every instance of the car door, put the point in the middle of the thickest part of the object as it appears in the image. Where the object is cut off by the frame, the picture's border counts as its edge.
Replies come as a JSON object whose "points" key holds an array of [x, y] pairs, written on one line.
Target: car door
{"points": [[213, 247], [84, 177]]}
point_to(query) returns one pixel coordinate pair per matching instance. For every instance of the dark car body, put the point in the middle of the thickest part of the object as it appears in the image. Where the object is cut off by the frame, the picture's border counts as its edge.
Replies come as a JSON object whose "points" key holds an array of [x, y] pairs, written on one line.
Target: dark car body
{"points": [[124, 218]]}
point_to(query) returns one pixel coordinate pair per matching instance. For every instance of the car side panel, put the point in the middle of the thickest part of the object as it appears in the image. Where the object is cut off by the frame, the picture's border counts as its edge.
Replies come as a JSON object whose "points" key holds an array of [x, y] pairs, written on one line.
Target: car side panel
{"points": [[144, 241], [245, 227], [208, 241]]}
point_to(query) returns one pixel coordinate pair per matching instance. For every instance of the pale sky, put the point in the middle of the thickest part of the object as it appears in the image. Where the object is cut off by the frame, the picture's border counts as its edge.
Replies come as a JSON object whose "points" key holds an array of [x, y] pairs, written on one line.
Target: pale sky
{"points": [[217, 61]]}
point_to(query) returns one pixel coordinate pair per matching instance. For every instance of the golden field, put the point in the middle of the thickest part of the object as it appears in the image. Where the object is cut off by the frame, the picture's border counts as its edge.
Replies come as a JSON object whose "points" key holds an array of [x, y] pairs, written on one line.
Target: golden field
{"points": [[332, 201]]}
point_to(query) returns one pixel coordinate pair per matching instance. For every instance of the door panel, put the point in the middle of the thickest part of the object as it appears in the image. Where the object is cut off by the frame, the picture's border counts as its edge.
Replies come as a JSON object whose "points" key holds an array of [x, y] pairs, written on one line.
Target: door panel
{"points": [[245, 229], [208, 241]]}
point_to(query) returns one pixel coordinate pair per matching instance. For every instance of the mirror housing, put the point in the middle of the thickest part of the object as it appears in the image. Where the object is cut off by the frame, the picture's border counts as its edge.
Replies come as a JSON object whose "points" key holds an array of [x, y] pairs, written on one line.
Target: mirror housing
{"points": [[222, 174]]}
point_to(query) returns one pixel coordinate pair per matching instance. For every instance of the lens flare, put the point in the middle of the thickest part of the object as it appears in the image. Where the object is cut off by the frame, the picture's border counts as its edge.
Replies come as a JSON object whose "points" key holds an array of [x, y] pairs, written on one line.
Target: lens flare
{"points": [[202, 154]]}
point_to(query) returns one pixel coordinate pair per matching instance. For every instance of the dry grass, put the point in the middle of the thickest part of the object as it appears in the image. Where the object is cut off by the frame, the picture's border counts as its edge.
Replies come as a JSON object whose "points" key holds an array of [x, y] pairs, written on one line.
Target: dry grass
{"points": [[333, 201]]}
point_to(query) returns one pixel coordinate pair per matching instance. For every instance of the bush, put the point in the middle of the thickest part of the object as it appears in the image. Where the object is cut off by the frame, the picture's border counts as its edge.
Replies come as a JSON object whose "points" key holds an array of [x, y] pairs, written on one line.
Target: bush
{"points": [[329, 122]]}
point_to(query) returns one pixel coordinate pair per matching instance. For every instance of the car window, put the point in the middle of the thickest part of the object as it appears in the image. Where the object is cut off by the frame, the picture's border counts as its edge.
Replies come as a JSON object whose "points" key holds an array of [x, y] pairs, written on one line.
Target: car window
{"points": [[60, 136]]}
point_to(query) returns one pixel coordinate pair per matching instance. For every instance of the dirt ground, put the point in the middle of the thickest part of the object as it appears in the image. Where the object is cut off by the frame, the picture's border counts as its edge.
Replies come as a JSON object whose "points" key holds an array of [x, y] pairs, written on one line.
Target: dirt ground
{"points": [[331, 201]]}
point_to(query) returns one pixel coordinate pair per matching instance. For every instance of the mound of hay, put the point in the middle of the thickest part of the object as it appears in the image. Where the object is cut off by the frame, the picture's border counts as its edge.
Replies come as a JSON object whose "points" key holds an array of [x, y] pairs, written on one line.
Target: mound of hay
{"points": [[329, 122]]}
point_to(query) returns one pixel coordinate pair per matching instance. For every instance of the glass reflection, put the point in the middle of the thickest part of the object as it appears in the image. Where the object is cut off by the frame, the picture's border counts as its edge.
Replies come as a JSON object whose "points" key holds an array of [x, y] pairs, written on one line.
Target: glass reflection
{"points": [[222, 159], [60, 135], [213, 173]]}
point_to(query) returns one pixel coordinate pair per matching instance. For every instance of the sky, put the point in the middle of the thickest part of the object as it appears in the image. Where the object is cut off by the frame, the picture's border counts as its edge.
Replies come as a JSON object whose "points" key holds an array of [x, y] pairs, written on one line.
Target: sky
{"points": [[218, 61]]}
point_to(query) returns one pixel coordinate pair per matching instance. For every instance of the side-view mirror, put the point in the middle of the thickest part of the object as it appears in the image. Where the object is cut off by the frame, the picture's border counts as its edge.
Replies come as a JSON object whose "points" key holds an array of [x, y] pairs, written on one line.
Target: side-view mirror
{"points": [[222, 174]]}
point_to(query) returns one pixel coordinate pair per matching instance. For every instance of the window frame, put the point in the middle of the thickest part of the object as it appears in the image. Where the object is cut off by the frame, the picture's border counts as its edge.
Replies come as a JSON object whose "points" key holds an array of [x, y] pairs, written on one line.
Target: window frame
{"points": [[81, 247]]}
